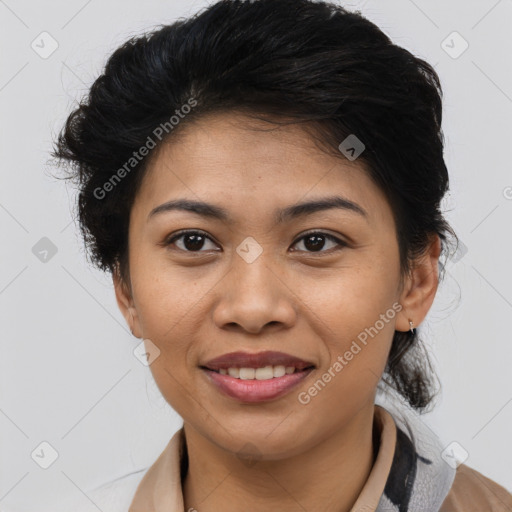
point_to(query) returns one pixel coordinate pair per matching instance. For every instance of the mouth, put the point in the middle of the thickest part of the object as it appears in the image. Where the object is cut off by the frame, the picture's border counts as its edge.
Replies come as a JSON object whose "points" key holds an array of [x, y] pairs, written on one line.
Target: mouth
{"points": [[253, 378]]}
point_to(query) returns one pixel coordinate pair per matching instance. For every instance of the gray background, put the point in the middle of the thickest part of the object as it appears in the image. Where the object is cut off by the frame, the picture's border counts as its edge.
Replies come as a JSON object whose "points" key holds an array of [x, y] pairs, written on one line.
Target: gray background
{"points": [[68, 375]]}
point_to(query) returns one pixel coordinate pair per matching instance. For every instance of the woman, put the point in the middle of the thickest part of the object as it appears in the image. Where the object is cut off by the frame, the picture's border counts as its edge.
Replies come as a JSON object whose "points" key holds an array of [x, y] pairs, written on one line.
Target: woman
{"points": [[264, 182]]}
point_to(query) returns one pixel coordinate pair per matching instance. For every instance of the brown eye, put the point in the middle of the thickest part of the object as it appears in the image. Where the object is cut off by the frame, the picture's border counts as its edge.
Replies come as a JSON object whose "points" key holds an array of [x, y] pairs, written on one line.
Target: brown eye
{"points": [[316, 241], [190, 241]]}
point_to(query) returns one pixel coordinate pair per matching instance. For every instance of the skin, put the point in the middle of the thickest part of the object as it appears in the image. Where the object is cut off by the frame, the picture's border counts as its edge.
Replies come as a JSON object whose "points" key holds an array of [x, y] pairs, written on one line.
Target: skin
{"points": [[197, 305]]}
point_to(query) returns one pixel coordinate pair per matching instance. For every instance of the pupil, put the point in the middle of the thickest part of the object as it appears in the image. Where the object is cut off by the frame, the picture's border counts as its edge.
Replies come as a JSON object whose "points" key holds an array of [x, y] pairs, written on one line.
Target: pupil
{"points": [[197, 242], [317, 244]]}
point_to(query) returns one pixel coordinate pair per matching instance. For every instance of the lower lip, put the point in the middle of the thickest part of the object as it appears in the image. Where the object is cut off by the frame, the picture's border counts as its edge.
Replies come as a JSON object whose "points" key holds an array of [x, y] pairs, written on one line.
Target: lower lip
{"points": [[256, 390]]}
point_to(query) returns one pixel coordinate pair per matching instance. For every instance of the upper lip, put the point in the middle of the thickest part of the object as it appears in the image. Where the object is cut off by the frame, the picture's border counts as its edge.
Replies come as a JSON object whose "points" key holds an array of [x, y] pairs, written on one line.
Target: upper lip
{"points": [[258, 360]]}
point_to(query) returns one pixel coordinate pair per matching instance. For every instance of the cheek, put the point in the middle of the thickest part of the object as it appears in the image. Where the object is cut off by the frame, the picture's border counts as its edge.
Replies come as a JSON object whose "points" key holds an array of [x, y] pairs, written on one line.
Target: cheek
{"points": [[354, 315], [166, 296], [169, 316], [165, 315], [171, 304], [350, 300], [358, 352]]}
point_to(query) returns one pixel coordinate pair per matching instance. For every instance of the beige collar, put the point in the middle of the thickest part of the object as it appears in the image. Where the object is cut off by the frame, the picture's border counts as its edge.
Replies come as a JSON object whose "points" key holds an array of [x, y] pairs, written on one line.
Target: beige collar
{"points": [[160, 490]]}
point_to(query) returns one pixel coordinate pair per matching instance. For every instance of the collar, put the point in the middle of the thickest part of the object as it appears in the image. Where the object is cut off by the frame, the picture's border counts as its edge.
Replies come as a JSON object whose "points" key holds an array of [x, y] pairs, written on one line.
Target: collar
{"points": [[408, 472]]}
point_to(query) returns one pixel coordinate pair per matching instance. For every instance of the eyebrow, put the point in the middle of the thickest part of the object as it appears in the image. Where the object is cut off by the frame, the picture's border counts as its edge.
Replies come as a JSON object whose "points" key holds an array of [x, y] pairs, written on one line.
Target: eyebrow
{"points": [[287, 214]]}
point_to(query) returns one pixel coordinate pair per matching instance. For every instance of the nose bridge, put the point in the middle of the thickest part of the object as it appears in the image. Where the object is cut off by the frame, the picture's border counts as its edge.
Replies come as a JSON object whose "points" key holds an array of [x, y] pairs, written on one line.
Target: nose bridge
{"points": [[255, 295], [256, 274]]}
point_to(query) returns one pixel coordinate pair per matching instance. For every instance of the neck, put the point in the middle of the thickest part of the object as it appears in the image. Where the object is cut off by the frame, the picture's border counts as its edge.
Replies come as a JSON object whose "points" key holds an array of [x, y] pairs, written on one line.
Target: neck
{"points": [[336, 469]]}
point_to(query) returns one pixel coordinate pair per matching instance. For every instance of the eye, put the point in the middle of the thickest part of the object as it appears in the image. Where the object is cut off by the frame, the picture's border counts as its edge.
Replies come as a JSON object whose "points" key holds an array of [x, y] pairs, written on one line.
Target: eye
{"points": [[315, 241], [192, 241]]}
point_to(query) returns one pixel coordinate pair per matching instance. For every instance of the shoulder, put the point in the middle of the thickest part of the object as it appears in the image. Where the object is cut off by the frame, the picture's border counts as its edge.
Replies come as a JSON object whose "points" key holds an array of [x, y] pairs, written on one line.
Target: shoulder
{"points": [[472, 491], [114, 496]]}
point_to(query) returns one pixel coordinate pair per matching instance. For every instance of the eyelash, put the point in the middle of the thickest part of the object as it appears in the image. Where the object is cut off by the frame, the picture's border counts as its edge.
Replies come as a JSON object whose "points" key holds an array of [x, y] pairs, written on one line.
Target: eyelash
{"points": [[334, 239]]}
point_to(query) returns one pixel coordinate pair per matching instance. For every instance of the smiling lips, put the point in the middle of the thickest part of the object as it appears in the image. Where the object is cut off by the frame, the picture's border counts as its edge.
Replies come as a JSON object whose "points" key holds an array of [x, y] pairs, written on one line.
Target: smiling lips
{"points": [[256, 377]]}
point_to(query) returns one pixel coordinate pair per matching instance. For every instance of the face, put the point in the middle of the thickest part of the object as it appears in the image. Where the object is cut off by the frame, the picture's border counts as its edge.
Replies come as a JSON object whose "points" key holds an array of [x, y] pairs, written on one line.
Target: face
{"points": [[320, 284]]}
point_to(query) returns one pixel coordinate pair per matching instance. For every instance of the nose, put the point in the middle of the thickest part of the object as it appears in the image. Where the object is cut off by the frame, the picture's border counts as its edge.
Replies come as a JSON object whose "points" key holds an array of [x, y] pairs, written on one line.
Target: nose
{"points": [[254, 297]]}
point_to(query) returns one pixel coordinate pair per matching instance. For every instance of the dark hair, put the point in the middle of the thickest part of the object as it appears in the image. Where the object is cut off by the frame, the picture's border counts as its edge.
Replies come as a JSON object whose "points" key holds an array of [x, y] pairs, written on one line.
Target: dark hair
{"points": [[306, 61]]}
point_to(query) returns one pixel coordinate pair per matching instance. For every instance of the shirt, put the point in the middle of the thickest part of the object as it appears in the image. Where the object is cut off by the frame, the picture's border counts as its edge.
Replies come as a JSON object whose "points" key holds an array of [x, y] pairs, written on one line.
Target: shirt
{"points": [[411, 473]]}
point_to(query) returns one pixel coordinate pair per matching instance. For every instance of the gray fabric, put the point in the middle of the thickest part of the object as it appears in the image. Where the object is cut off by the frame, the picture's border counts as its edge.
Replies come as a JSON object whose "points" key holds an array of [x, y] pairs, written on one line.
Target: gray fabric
{"points": [[428, 478]]}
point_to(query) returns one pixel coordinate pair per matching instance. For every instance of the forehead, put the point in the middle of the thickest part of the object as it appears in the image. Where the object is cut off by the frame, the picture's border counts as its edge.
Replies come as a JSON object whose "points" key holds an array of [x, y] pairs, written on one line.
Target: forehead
{"points": [[240, 161]]}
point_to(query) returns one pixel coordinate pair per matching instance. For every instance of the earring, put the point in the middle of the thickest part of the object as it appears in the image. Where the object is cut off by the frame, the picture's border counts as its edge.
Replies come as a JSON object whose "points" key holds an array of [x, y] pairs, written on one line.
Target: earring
{"points": [[413, 331], [131, 323]]}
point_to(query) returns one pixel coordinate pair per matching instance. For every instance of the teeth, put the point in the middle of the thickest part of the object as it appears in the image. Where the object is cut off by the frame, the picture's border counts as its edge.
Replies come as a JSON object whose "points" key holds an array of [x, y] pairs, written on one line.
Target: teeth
{"points": [[265, 373], [234, 372], [247, 373], [279, 371]]}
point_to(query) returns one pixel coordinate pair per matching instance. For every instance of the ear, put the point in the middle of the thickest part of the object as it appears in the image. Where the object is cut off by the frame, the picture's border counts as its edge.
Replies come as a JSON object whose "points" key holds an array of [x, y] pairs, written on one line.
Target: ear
{"points": [[420, 287], [125, 302]]}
